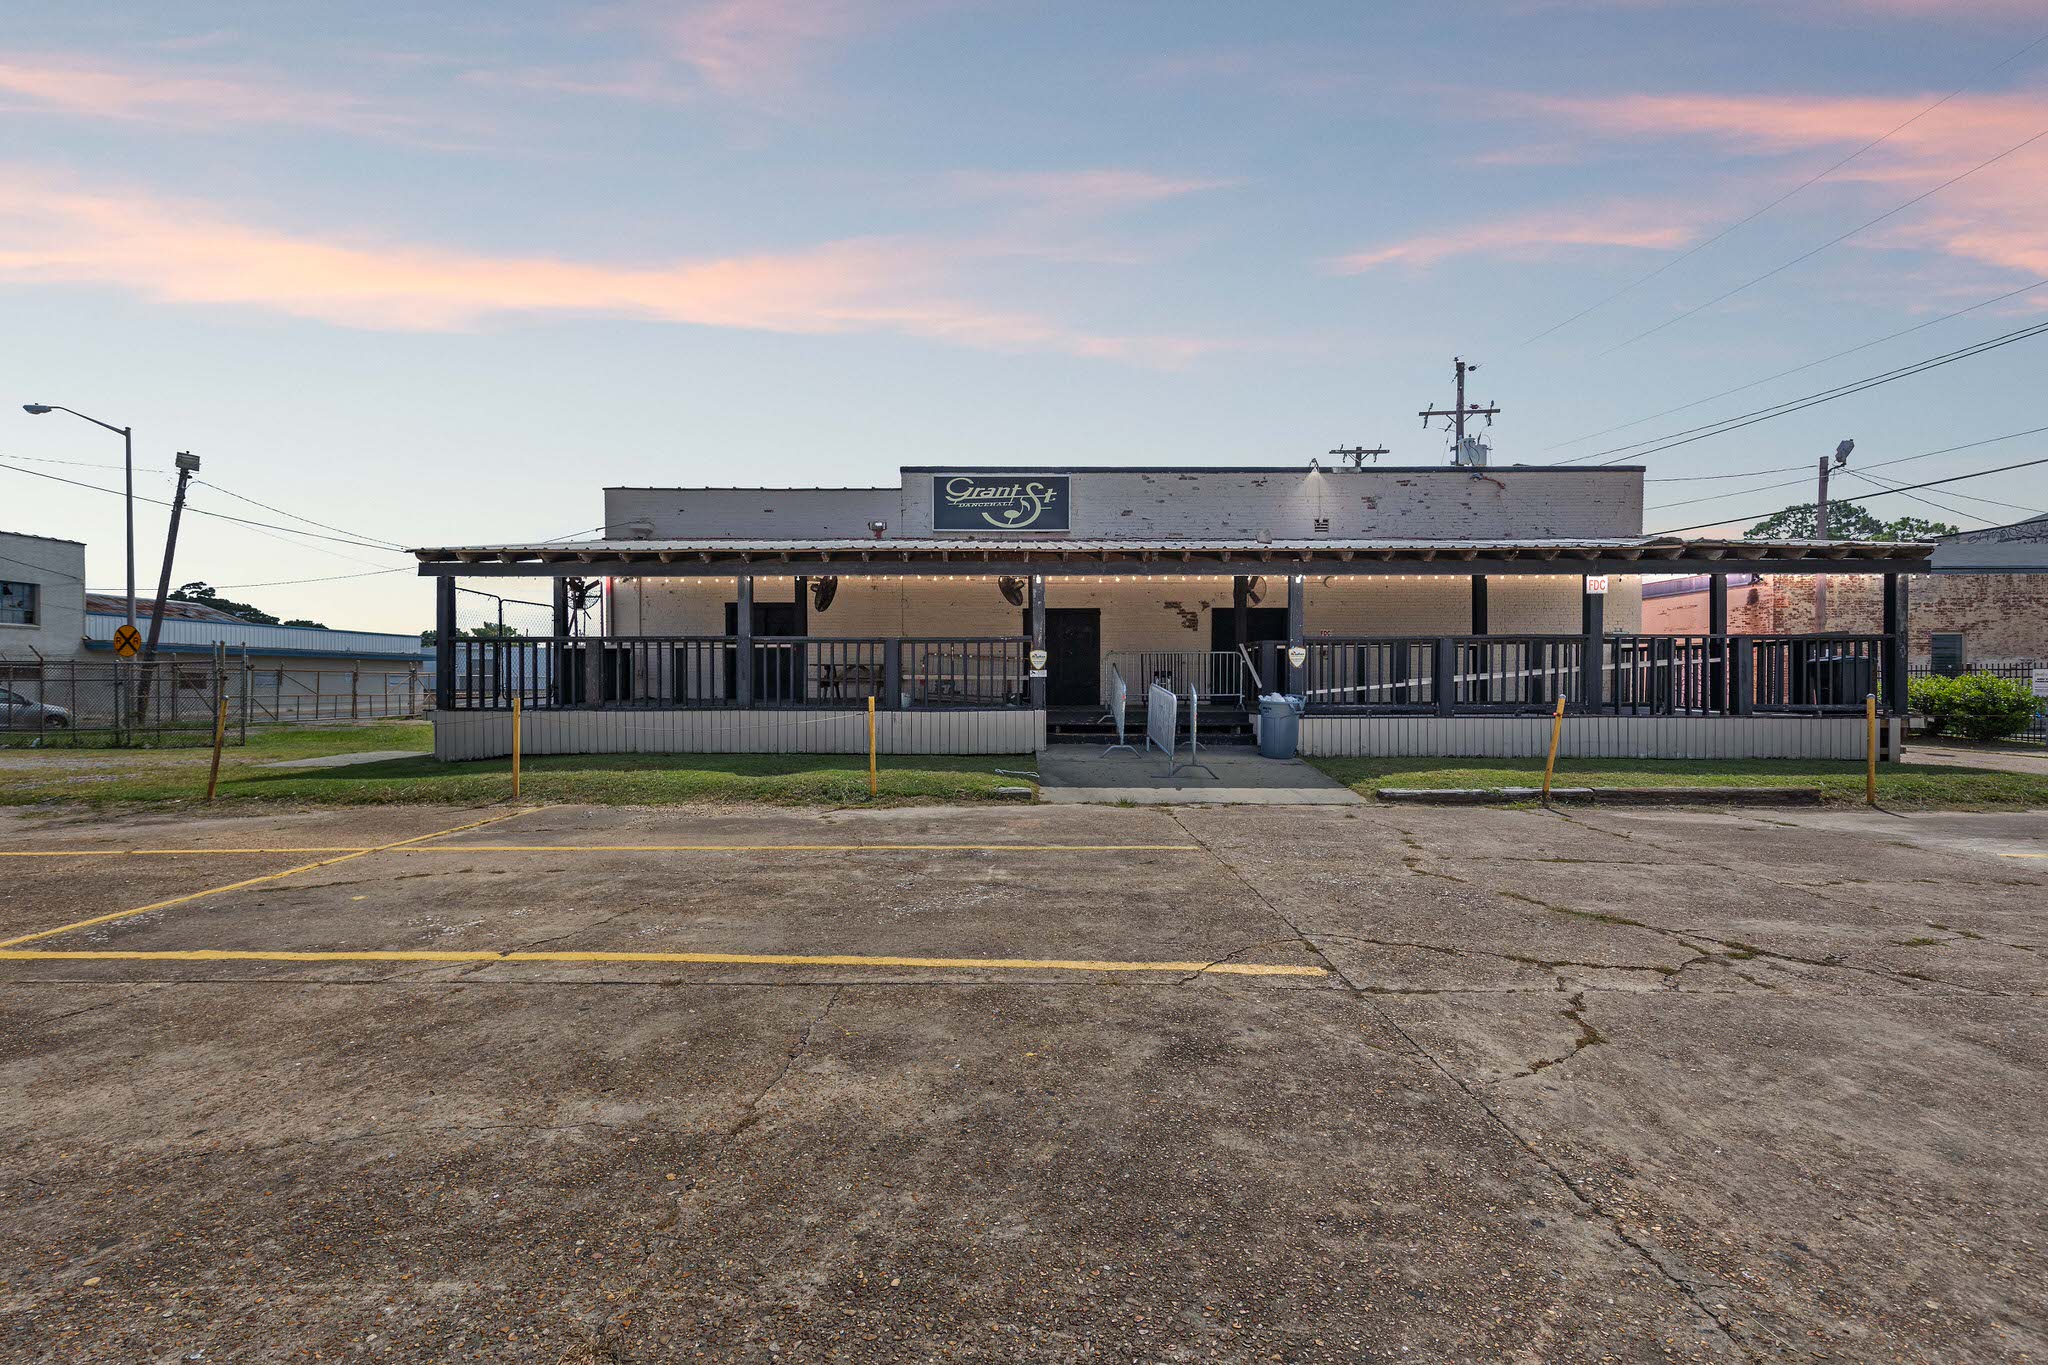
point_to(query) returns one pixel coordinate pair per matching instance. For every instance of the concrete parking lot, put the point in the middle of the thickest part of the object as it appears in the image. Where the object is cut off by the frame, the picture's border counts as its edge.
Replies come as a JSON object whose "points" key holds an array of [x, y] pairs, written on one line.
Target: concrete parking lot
{"points": [[1043, 1083]]}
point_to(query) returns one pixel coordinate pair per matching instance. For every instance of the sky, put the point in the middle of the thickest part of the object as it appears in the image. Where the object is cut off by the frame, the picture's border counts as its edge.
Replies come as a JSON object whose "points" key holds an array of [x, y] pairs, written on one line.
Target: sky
{"points": [[435, 274]]}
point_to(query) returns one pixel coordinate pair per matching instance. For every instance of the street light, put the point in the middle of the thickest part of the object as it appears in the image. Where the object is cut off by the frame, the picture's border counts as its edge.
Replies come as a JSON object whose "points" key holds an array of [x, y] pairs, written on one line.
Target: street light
{"points": [[128, 462]]}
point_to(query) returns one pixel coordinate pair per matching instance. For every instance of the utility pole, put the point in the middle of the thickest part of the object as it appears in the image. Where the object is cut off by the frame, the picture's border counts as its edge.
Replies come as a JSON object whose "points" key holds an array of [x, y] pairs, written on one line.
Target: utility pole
{"points": [[188, 465], [1820, 526], [1459, 410], [1358, 454]]}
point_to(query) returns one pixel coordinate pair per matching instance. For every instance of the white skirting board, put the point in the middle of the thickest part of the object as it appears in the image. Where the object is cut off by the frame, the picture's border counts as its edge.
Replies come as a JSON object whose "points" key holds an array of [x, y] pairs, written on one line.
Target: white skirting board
{"points": [[460, 735], [1841, 737]]}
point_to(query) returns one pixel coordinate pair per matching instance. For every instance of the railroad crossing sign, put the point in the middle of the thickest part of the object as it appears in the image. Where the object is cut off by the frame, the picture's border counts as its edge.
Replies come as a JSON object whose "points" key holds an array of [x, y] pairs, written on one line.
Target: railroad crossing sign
{"points": [[127, 641]]}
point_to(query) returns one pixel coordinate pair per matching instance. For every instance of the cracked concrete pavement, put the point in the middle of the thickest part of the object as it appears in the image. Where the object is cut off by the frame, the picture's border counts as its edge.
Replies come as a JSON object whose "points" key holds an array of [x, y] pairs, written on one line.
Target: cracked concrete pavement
{"points": [[1661, 1084]]}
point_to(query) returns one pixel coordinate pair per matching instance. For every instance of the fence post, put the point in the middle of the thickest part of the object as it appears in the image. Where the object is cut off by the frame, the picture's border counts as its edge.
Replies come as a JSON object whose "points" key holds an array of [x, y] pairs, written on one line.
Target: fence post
{"points": [[1741, 675], [354, 689], [1444, 675]]}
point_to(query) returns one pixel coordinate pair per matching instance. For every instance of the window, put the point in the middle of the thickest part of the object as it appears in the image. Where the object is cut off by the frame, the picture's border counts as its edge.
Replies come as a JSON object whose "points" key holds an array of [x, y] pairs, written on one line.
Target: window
{"points": [[18, 603], [1947, 650]]}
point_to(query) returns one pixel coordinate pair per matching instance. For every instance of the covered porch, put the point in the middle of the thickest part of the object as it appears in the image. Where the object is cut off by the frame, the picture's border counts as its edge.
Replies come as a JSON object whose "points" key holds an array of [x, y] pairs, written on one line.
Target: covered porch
{"points": [[1398, 647]]}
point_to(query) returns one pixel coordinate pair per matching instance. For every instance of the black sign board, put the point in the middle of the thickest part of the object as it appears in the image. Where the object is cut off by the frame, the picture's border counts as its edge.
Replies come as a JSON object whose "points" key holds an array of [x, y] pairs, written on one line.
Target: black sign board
{"points": [[1000, 502]]}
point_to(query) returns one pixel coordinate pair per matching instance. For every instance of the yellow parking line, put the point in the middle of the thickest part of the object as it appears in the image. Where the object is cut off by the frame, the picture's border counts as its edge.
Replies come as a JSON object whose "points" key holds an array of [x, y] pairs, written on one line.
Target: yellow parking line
{"points": [[604, 848], [695, 959], [808, 848], [2023, 855], [256, 881], [173, 852]]}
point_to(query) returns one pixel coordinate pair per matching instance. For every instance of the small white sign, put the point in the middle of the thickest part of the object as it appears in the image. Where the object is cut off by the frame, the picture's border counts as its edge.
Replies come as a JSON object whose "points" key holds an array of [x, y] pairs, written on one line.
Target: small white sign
{"points": [[2041, 682], [1297, 655], [1596, 584], [1037, 672]]}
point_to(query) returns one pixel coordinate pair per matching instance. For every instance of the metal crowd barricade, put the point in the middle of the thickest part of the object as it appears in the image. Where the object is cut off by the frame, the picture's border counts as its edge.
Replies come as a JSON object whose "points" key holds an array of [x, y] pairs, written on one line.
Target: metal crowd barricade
{"points": [[1162, 729], [1119, 705], [1194, 739]]}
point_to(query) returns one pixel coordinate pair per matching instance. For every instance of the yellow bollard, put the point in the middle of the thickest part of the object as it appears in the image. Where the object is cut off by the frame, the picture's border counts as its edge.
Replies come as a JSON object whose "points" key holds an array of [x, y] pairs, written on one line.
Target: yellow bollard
{"points": [[1550, 764], [1870, 748], [871, 747], [220, 734], [515, 746]]}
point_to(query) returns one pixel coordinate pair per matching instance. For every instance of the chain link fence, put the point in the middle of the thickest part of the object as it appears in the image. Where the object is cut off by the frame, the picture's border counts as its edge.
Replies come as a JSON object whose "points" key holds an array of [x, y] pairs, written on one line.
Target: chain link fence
{"points": [[173, 702]]}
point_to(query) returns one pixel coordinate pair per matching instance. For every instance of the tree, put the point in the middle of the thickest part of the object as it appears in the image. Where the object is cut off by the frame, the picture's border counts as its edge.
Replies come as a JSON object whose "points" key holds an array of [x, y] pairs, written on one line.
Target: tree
{"points": [[1846, 521], [206, 595], [489, 630]]}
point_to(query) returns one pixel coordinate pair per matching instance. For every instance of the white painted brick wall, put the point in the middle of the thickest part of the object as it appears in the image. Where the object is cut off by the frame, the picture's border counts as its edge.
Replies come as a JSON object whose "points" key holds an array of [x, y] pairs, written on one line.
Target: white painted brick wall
{"points": [[1150, 614], [1393, 503]]}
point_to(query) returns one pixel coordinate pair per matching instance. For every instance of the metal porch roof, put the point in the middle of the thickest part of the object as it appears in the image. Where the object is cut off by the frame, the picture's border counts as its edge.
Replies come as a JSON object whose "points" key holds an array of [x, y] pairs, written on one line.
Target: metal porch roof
{"points": [[1056, 554]]}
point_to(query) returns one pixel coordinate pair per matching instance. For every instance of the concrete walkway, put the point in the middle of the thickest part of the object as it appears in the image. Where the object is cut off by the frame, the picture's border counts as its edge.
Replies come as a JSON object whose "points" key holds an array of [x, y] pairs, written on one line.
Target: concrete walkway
{"points": [[346, 760], [1071, 773], [2005, 758]]}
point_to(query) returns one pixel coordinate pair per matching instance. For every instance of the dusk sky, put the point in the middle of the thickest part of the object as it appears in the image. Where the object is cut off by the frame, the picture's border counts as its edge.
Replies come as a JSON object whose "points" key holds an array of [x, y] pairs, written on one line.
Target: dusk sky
{"points": [[434, 274]]}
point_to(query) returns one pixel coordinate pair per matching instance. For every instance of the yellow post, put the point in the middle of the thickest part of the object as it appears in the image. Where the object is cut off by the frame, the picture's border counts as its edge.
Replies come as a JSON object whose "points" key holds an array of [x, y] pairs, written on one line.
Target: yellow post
{"points": [[1870, 748], [515, 746], [1550, 764], [220, 734], [871, 746]]}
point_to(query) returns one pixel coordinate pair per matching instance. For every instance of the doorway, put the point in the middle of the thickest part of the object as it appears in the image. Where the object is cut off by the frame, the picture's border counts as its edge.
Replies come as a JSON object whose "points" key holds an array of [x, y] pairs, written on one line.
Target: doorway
{"points": [[1073, 648], [1261, 623], [776, 670]]}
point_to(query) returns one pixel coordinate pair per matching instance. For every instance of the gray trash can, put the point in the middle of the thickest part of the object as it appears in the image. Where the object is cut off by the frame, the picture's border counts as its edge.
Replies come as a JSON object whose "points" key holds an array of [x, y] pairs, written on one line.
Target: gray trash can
{"points": [[1279, 725]]}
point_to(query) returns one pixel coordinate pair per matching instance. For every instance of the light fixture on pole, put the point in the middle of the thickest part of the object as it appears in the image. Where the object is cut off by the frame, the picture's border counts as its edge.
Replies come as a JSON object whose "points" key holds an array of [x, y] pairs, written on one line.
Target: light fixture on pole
{"points": [[1820, 527], [127, 435]]}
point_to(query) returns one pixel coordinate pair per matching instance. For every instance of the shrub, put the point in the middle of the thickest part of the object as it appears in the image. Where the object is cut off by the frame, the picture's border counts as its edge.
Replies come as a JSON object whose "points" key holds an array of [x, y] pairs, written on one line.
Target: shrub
{"points": [[1975, 706], [1933, 698]]}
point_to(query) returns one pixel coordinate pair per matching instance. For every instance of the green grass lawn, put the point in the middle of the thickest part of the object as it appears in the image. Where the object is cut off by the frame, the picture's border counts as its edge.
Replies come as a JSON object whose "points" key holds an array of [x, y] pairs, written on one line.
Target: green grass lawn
{"points": [[101, 777], [1904, 786]]}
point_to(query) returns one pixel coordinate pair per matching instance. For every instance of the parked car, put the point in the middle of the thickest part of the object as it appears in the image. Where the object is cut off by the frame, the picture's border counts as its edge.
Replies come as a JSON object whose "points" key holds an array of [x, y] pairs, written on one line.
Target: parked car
{"points": [[19, 713]]}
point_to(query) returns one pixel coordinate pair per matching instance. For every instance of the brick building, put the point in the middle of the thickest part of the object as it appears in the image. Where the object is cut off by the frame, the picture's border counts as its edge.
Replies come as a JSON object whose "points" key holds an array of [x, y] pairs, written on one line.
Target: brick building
{"points": [[1986, 617]]}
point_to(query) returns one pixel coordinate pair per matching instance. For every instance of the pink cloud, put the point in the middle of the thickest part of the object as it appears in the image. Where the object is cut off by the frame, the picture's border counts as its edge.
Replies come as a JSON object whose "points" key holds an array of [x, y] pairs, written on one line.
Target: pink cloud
{"points": [[1997, 216], [765, 48], [185, 254], [1526, 236], [66, 85]]}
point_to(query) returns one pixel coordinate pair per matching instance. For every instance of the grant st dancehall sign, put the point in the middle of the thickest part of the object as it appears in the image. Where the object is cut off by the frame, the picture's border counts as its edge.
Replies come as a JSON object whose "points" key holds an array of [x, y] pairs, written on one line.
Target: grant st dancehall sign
{"points": [[981, 502]]}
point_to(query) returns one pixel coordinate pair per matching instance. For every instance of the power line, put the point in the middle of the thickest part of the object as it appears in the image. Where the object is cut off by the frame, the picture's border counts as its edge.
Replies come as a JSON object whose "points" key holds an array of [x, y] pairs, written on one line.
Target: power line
{"points": [[292, 582], [1893, 336], [1803, 185], [1651, 446], [1832, 241], [294, 515], [200, 511], [1883, 481], [1908, 488], [1905, 459]]}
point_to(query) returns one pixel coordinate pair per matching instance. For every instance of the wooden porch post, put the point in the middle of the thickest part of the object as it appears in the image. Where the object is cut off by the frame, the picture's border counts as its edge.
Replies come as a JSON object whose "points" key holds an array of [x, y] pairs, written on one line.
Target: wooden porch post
{"points": [[1240, 618], [1593, 624], [1897, 636], [444, 643], [1479, 613], [560, 627], [743, 641], [1037, 610], [1297, 616], [1717, 649]]}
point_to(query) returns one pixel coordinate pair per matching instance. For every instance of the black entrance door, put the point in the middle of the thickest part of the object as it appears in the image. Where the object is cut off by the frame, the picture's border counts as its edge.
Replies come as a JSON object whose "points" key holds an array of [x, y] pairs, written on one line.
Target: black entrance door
{"points": [[1261, 623], [1073, 647], [775, 670]]}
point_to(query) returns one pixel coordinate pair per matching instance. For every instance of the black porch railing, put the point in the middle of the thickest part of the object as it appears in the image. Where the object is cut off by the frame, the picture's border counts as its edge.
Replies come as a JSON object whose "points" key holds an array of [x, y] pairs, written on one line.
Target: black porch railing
{"points": [[1656, 675], [709, 671]]}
